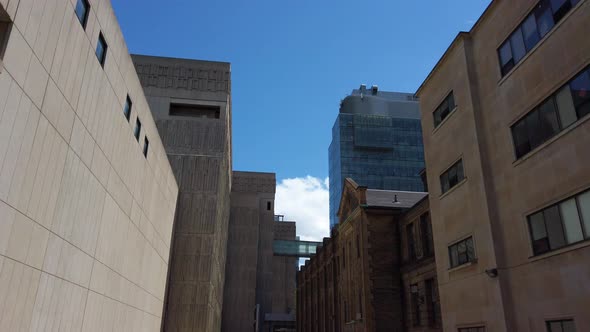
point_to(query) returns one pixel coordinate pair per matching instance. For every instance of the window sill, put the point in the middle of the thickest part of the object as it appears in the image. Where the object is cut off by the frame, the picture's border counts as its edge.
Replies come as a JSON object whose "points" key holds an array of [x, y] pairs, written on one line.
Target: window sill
{"points": [[551, 140], [562, 250], [462, 266], [448, 192], [444, 121], [555, 28]]}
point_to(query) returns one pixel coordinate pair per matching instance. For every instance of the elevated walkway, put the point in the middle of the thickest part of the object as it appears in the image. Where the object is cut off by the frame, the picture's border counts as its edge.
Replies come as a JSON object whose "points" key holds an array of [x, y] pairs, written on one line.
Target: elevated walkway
{"points": [[294, 248]]}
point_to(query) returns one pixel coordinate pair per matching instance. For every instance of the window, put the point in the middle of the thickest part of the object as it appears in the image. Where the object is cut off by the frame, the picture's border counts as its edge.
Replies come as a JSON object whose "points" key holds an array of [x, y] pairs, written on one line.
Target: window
{"points": [[415, 298], [196, 111], [268, 206], [101, 49], [137, 130], [426, 234], [561, 224], [444, 109], [82, 10], [5, 28], [358, 246], [127, 108], [462, 252], [431, 302], [564, 325], [472, 329], [411, 242], [566, 106], [452, 176], [146, 146], [534, 27]]}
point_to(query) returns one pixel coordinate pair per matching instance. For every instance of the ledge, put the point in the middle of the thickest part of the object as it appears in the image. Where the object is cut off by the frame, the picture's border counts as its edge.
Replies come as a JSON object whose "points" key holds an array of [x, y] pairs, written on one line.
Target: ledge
{"points": [[562, 250], [462, 266], [444, 121], [453, 189]]}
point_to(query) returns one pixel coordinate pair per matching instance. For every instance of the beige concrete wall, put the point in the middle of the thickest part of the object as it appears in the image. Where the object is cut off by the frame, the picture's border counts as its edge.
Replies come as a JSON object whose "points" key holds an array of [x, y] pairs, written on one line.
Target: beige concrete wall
{"points": [[85, 219], [500, 191]]}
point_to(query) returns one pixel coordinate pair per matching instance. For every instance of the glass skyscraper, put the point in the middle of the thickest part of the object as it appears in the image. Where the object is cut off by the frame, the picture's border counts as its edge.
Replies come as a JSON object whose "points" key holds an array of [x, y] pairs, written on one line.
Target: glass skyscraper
{"points": [[376, 141]]}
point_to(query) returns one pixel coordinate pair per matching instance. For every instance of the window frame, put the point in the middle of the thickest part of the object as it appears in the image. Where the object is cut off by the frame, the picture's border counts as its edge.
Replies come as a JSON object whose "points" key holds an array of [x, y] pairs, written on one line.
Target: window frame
{"points": [[146, 146], [411, 242], [103, 42], [530, 136], [440, 111], [538, 11], [127, 108], [547, 239], [456, 245], [479, 328], [84, 20], [561, 321], [445, 179], [137, 130]]}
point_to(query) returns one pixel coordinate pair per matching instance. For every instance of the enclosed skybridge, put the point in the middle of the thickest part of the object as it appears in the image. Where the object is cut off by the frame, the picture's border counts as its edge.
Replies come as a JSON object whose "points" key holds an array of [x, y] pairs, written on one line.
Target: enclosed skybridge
{"points": [[295, 248]]}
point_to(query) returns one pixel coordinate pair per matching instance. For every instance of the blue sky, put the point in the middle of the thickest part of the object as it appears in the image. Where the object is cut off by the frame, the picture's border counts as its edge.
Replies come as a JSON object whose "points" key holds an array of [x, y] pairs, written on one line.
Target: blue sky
{"points": [[293, 61]]}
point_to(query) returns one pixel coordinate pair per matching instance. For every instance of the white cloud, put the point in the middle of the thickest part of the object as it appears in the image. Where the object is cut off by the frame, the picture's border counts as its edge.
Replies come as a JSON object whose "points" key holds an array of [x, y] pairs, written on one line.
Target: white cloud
{"points": [[305, 200]]}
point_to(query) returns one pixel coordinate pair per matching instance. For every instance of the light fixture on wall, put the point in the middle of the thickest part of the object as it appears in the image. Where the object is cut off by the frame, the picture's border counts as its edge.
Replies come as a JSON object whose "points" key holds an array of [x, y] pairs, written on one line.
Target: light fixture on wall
{"points": [[492, 273]]}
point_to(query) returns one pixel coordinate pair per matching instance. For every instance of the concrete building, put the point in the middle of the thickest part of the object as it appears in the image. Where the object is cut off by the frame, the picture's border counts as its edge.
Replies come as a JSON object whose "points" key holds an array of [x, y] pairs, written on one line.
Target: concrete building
{"points": [[377, 141], [87, 195], [191, 102], [506, 136], [377, 272], [260, 287]]}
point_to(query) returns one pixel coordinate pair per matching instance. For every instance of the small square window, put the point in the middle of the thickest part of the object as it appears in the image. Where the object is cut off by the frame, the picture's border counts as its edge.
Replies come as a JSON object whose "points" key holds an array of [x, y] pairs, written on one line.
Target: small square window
{"points": [[82, 10], [127, 108], [137, 130], [101, 49], [564, 325], [146, 146], [462, 252]]}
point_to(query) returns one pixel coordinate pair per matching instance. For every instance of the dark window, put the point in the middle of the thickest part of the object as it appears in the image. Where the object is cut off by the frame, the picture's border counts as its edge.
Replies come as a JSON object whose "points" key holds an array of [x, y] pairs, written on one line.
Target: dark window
{"points": [[82, 10], [444, 109], [580, 87], [415, 298], [534, 27], [564, 325], [426, 234], [137, 130], [411, 242], [472, 329], [101, 49], [268, 206], [462, 252], [146, 146], [561, 224], [127, 108], [452, 176], [197, 111], [431, 302], [5, 28], [566, 106], [358, 246], [530, 32]]}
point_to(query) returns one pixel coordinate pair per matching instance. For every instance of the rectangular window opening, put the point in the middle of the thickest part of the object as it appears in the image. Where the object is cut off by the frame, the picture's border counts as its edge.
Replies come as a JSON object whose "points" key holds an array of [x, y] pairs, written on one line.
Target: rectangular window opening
{"points": [[452, 176], [472, 329], [101, 49], [562, 325], [462, 252], [196, 111], [146, 145], [444, 109], [5, 29], [268, 206], [82, 11], [137, 130], [127, 108]]}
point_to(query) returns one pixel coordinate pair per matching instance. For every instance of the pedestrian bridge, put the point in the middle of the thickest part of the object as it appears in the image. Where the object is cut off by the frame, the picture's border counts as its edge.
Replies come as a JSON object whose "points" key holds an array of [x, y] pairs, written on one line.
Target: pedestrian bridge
{"points": [[293, 248]]}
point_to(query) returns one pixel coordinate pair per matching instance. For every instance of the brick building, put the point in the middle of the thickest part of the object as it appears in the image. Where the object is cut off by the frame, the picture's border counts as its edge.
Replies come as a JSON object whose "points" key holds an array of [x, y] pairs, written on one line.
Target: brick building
{"points": [[373, 274]]}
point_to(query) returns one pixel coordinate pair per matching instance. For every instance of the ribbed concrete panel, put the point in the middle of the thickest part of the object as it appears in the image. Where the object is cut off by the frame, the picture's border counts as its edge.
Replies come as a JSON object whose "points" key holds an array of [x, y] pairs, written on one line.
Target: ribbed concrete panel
{"points": [[199, 150]]}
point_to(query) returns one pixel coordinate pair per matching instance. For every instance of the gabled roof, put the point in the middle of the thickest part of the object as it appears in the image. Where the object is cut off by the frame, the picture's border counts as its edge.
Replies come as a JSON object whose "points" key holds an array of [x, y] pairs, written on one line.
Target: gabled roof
{"points": [[393, 198]]}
